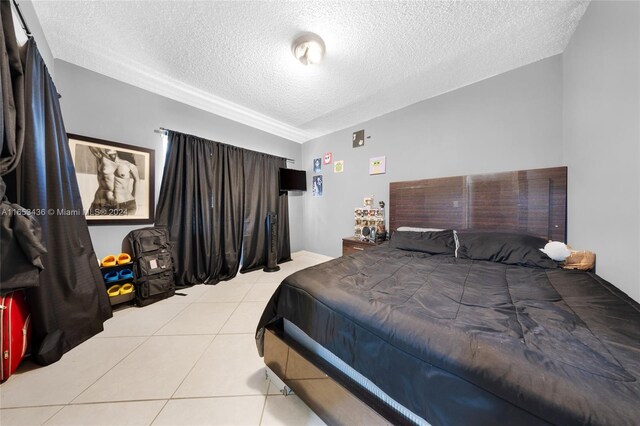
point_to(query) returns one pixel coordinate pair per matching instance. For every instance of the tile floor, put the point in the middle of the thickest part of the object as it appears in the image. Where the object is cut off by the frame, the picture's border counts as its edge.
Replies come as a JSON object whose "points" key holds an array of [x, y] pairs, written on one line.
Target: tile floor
{"points": [[188, 360]]}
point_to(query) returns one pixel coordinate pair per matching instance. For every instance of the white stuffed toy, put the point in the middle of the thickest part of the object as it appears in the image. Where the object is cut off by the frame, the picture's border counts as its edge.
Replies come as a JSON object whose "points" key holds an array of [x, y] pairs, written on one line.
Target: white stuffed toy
{"points": [[556, 250]]}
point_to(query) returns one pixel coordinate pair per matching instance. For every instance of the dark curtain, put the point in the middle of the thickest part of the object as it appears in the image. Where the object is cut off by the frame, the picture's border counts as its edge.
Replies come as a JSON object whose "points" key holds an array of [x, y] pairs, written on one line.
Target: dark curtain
{"points": [[12, 86], [201, 203], [70, 304], [262, 196]]}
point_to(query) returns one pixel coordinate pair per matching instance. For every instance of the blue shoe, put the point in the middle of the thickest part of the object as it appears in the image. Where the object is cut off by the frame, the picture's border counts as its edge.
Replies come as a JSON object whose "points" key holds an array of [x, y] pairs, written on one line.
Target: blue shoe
{"points": [[126, 274], [111, 276]]}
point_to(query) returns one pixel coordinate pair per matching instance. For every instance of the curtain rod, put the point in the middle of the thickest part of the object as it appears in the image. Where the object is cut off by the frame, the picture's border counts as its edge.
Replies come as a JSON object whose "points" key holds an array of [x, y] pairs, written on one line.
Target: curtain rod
{"points": [[163, 131], [22, 20]]}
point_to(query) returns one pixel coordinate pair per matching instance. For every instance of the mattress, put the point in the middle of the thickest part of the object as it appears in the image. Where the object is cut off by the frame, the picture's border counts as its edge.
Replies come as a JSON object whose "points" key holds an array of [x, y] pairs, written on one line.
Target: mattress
{"points": [[315, 348], [460, 341]]}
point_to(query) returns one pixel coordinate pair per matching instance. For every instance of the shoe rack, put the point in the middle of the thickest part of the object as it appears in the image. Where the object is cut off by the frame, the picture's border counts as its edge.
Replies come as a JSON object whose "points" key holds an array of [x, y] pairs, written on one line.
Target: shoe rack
{"points": [[118, 274]]}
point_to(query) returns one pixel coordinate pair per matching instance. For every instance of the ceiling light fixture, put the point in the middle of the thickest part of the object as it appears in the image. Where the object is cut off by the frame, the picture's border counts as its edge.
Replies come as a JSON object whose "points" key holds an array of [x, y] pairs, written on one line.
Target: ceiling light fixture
{"points": [[308, 48]]}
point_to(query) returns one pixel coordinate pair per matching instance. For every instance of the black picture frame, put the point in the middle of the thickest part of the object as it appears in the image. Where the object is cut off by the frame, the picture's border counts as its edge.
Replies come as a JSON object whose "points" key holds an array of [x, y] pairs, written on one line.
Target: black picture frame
{"points": [[114, 179]]}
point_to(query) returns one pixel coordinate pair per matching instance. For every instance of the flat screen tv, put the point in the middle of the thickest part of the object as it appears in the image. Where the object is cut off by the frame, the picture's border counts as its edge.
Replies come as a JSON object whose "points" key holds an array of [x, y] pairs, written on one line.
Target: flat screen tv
{"points": [[293, 180]]}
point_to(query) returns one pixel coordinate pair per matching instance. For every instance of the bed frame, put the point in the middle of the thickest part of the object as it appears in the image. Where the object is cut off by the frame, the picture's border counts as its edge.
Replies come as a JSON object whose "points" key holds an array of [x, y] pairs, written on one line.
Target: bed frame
{"points": [[533, 201]]}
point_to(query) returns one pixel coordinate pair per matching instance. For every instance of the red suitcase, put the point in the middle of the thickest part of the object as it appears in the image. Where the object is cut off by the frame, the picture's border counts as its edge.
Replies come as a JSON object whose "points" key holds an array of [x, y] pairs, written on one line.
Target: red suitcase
{"points": [[15, 331]]}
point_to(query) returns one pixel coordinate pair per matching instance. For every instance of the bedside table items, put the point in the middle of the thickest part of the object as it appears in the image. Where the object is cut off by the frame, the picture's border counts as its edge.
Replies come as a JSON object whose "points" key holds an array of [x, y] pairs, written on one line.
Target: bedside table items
{"points": [[369, 222]]}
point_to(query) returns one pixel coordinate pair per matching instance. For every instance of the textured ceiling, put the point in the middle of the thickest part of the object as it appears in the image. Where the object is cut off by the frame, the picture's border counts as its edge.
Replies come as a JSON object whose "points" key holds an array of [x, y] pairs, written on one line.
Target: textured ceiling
{"points": [[234, 58]]}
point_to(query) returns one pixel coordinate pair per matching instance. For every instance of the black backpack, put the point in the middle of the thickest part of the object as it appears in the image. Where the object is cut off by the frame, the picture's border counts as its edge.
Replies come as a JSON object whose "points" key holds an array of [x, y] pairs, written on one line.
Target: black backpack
{"points": [[150, 249]]}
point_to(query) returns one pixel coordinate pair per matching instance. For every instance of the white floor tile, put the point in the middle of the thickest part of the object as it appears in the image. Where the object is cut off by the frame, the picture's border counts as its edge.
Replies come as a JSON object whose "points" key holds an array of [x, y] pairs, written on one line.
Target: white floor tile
{"points": [[248, 278], [288, 410], [275, 277], [226, 291], [261, 292], [61, 382], [191, 294], [199, 318], [115, 413], [245, 318], [153, 371], [27, 416], [239, 410], [230, 367], [134, 321], [274, 389], [154, 357]]}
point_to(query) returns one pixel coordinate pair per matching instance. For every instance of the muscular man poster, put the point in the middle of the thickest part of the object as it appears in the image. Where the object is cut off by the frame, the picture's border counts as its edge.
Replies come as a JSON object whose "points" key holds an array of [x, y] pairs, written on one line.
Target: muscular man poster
{"points": [[114, 180], [117, 180]]}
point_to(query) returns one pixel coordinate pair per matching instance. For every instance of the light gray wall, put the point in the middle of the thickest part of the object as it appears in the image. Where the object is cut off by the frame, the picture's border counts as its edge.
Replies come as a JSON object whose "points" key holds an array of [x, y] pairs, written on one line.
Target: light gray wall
{"points": [[509, 122], [101, 107], [602, 139]]}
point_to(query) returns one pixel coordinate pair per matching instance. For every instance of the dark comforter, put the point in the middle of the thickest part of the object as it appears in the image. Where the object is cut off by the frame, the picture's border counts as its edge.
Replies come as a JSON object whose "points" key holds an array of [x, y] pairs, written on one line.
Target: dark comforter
{"points": [[474, 342]]}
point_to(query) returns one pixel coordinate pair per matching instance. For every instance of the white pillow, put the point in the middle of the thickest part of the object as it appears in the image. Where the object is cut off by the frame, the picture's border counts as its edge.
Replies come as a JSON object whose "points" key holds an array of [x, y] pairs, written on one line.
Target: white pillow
{"points": [[556, 250], [410, 229]]}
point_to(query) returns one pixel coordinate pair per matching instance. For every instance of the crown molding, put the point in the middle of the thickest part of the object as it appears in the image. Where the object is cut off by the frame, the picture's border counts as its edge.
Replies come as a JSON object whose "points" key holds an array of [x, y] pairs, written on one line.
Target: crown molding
{"points": [[123, 69]]}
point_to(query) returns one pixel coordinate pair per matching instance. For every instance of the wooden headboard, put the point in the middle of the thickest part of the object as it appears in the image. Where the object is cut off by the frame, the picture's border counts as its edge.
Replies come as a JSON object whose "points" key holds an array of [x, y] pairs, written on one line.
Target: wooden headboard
{"points": [[532, 201]]}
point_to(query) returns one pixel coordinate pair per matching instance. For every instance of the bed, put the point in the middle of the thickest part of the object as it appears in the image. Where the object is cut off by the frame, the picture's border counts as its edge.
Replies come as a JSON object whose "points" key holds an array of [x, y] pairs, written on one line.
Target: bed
{"points": [[437, 327]]}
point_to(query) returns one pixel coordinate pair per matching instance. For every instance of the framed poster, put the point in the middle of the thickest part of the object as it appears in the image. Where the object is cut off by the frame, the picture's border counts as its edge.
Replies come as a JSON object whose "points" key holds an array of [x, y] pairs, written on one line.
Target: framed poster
{"points": [[377, 165], [338, 166], [358, 139], [317, 186], [328, 157], [317, 165], [116, 181]]}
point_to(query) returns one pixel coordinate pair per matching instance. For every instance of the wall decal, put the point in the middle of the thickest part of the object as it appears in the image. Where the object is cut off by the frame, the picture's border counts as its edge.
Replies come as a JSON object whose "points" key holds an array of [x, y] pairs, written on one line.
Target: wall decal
{"points": [[338, 166], [327, 158], [358, 139], [317, 186], [377, 165], [317, 165]]}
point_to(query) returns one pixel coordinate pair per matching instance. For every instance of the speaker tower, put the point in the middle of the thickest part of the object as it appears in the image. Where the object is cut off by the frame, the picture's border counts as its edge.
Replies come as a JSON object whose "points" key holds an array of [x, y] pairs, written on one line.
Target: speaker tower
{"points": [[272, 243]]}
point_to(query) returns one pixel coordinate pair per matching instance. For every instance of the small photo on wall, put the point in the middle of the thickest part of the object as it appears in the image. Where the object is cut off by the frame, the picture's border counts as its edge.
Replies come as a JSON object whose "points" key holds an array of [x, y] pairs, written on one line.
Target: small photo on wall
{"points": [[317, 186], [328, 157], [358, 139], [377, 165], [317, 165], [338, 166]]}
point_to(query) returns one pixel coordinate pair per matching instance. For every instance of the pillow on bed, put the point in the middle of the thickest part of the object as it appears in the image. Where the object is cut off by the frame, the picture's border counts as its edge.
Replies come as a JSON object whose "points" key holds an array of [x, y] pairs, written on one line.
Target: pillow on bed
{"points": [[505, 247], [412, 229], [434, 242]]}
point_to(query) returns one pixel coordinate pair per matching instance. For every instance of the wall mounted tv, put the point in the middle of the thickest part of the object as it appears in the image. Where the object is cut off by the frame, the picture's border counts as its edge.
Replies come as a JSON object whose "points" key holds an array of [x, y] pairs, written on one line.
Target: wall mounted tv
{"points": [[293, 180]]}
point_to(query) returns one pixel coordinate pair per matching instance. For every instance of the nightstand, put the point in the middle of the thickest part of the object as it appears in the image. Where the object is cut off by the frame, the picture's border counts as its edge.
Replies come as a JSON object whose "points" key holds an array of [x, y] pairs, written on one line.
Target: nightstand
{"points": [[352, 245]]}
